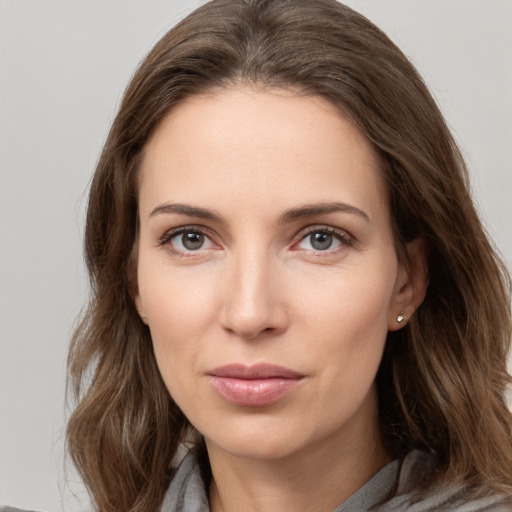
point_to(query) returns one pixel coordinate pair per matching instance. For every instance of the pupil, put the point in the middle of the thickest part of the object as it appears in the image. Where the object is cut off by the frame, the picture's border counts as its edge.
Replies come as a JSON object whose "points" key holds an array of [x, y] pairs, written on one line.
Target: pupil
{"points": [[192, 241], [321, 241]]}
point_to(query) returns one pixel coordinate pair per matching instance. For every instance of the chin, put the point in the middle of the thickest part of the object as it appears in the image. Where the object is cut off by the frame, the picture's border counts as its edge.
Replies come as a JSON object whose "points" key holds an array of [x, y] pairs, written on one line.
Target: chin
{"points": [[257, 441], [256, 449]]}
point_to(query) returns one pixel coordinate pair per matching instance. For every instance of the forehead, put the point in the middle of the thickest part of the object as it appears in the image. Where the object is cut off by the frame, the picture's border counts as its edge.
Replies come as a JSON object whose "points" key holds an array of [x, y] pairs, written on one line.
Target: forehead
{"points": [[263, 147]]}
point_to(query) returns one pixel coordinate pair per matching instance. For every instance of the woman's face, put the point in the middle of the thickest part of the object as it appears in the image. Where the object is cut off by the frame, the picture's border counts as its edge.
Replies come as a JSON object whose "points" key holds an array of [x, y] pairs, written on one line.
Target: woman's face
{"points": [[266, 270]]}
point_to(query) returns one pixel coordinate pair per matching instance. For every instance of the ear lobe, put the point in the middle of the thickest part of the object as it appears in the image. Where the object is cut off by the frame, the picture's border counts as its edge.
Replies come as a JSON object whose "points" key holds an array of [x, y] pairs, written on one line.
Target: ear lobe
{"points": [[135, 295], [411, 285], [139, 307], [133, 284]]}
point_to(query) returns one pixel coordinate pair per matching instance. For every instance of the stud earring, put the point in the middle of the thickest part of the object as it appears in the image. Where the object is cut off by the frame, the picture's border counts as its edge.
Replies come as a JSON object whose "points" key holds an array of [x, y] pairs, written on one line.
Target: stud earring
{"points": [[400, 318]]}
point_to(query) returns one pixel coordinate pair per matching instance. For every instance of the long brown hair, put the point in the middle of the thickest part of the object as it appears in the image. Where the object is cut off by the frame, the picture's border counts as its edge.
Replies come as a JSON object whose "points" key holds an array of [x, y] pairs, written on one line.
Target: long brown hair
{"points": [[443, 378]]}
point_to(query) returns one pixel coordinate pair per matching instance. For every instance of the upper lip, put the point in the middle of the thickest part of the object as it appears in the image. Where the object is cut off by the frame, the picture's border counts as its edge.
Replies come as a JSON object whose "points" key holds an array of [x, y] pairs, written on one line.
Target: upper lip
{"points": [[253, 372]]}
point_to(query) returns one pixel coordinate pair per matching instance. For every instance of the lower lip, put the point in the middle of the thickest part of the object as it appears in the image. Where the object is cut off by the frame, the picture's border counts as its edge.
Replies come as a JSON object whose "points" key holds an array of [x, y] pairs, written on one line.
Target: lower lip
{"points": [[253, 393]]}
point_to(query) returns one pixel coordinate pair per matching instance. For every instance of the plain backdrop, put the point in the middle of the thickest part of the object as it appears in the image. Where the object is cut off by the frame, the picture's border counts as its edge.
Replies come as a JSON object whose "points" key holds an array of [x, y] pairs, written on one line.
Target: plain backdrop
{"points": [[63, 67]]}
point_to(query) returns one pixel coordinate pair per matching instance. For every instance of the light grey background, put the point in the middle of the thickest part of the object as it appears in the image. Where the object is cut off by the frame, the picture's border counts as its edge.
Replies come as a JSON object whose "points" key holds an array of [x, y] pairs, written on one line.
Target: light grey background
{"points": [[63, 67]]}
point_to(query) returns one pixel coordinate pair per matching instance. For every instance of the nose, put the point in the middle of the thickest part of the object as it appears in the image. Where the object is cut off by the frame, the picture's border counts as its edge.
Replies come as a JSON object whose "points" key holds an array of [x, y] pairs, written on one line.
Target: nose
{"points": [[254, 302]]}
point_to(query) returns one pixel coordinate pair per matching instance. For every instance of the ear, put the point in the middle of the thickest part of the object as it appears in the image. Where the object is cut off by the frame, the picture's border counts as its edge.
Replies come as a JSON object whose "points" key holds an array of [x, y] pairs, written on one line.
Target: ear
{"points": [[410, 286], [140, 308], [134, 285]]}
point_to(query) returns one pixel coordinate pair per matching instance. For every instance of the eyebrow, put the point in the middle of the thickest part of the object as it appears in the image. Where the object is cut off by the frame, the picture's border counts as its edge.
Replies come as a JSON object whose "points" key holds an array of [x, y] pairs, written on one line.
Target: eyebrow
{"points": [[185, 209], [301, 212], [311, 210]]}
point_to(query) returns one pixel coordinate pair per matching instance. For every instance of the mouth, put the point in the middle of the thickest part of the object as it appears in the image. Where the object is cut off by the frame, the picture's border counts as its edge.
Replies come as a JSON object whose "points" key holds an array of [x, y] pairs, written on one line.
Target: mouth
{"points": [[254, 386]]}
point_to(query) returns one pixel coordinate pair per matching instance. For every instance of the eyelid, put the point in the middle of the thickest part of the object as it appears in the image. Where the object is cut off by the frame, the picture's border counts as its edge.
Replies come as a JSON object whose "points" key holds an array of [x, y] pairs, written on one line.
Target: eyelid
{"points": [[343, 236], [191, 228]]}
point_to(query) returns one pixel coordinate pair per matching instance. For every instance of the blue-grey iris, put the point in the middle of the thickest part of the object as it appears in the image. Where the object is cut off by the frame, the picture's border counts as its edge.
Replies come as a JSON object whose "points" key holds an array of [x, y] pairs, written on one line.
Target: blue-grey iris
{"points": [[321, 241], [192, 241]]}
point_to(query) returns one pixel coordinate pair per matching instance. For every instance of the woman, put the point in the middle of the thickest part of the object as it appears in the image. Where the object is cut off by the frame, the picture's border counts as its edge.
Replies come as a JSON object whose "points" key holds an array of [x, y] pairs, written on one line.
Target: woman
{"points": [[290, 284]]}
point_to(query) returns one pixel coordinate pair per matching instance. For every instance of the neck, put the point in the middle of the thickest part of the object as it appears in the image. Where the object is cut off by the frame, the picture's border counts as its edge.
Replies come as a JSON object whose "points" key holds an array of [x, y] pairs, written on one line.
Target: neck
{"points": [[314, 479]]}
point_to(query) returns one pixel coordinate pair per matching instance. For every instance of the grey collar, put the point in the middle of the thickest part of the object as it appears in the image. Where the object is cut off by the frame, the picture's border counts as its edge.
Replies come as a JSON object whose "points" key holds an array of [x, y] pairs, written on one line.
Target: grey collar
{"points": [[187, 492]]}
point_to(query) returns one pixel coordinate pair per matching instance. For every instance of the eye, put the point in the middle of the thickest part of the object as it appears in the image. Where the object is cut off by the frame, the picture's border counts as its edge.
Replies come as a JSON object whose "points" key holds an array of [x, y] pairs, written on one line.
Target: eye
{"points": [[323, 240], [319, 241], [188, 240]]}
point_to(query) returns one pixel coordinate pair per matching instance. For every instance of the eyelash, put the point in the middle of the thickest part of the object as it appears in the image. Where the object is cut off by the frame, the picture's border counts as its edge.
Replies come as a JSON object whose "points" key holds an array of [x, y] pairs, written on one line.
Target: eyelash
{"points": [[340, 235], [169, 235]]}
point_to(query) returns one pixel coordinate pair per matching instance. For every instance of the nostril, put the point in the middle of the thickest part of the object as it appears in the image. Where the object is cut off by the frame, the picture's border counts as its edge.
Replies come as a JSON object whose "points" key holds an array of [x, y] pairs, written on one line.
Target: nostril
{"points": [[252, 303]]}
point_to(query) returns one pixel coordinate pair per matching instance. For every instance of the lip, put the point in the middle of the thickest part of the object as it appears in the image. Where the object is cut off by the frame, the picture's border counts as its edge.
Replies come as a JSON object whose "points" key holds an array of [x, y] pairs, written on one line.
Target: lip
{"points": [[254, 386]]}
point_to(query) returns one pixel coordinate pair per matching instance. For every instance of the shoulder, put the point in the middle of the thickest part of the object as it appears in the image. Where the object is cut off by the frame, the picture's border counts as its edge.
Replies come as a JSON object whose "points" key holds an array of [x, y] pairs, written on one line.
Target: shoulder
{"points": [[186, 492], [5, 508], [446, 497]]}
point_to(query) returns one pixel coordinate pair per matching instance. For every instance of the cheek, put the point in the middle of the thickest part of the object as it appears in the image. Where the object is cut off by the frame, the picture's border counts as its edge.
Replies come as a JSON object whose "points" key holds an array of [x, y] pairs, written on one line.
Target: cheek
{"points": [[172, 296], [349, 299], [347, 322], [347, 326], [179, 312]]}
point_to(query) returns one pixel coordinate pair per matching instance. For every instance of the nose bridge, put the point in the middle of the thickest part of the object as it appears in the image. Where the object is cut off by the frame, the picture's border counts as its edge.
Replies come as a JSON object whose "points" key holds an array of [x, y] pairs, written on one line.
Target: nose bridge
{"points": [[252, 303]]}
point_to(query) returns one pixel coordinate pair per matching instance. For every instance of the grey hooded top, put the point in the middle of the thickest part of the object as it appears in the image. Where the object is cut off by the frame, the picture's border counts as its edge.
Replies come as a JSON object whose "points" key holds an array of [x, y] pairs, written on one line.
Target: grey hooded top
{"points": [[390, 490]]}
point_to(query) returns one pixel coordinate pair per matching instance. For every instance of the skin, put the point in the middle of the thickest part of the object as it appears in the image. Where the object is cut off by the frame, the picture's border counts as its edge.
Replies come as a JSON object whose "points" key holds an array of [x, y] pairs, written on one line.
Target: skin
{"points": [[259, 289]]}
